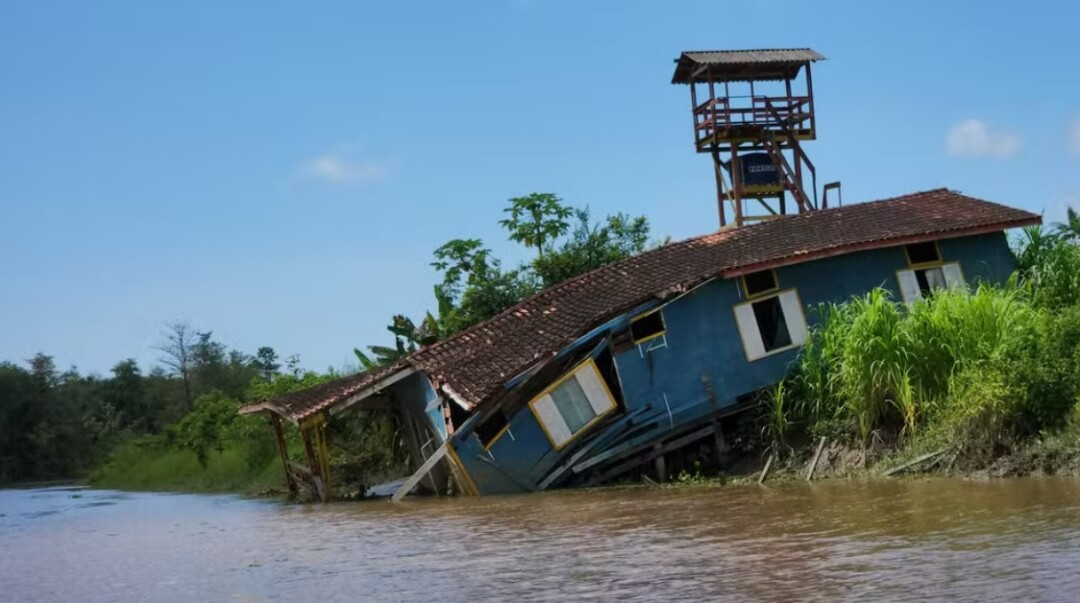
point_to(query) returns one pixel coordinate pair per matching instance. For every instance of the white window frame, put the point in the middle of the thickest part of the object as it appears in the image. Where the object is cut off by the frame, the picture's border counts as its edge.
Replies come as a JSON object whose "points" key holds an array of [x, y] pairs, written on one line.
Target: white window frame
{"points": [[750, 333], [910, 292], [596, 391]]}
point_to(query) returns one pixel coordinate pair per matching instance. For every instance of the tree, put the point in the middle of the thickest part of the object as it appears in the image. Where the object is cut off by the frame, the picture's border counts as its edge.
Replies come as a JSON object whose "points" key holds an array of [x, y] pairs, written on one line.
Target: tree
{"points": [[180, 339], [536, 219], [1070, 228], [407, 339], [474, 286], [591, 246], [266, 361], [124, 393]]}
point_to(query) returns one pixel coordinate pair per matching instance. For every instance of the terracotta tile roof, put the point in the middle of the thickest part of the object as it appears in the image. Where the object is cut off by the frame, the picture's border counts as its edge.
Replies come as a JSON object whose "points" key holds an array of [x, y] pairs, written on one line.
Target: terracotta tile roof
{"points": [[478, 361], [762, 64], [301, 404]]}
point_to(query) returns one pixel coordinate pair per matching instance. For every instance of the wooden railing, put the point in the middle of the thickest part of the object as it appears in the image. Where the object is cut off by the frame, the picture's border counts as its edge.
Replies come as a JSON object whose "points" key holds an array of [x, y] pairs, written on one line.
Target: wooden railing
{"points": [[716, 117]]}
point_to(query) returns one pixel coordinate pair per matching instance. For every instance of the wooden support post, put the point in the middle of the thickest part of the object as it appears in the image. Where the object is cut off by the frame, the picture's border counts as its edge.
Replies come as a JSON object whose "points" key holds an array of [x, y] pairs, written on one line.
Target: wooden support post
{"points": [[810, 93], [719, 168], [721, 445], [313, 463], [660, 464], [693, 111], [736, 183], [275, 422], [813, 463], [324, 460], [765, 471], [424, 469]]}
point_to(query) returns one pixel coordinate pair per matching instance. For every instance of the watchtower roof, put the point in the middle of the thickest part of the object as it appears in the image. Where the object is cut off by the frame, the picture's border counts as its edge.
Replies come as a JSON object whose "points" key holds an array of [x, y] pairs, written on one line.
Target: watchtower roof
{"points": [[695, 66]]}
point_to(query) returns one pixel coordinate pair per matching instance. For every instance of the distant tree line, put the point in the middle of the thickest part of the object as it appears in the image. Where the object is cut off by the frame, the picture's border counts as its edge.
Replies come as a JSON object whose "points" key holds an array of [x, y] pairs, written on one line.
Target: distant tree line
{"points": [[57, 424]]}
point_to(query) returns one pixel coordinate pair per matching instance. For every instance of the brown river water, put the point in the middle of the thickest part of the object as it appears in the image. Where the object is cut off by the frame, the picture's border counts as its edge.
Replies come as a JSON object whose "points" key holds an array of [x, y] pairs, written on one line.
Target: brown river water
{"points": [[920, 540]]}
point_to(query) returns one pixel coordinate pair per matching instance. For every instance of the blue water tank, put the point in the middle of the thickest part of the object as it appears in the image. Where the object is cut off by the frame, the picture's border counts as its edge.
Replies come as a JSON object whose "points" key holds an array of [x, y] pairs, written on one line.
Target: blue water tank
{"points": [[757, 169]]}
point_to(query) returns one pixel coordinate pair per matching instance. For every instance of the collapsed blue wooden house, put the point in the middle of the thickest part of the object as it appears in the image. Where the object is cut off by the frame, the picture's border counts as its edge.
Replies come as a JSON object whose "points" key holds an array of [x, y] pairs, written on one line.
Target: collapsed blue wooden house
{"points": [[628, 363]]}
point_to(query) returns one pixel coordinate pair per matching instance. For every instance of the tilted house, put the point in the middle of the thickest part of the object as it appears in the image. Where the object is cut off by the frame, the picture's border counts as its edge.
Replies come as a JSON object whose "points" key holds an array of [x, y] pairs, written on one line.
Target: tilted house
{"points": [[600, 373]]}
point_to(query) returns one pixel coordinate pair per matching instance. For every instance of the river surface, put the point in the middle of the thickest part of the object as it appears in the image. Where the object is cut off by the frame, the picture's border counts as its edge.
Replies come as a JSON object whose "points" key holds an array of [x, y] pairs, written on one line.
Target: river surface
{"points": [[896, 541]]}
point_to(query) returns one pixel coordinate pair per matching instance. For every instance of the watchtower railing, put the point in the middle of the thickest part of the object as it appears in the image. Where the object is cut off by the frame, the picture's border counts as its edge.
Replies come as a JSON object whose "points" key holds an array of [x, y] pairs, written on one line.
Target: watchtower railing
{"points": [[716, 119]]}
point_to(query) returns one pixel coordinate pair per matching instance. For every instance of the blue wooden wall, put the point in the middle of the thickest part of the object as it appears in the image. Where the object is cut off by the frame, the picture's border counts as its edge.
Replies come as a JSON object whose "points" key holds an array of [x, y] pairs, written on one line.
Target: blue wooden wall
{"points": [[703, 341]]}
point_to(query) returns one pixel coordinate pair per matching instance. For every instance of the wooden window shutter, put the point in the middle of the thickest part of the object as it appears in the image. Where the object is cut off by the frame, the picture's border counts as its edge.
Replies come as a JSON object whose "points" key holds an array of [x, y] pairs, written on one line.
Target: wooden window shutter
{"points": [[909, 286], [748, 331]]}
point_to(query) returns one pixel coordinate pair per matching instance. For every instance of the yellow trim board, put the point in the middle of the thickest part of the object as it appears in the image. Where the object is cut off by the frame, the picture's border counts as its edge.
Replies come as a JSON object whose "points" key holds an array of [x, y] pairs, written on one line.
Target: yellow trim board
{"points": [[940, 260], [498, 435], [469, 484], [584, 428], [774, 289], [650, 337]]}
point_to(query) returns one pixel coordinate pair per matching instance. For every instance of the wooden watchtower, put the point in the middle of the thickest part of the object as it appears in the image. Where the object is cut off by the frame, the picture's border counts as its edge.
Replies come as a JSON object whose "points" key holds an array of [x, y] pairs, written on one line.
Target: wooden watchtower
{"points": [[752, 110]]}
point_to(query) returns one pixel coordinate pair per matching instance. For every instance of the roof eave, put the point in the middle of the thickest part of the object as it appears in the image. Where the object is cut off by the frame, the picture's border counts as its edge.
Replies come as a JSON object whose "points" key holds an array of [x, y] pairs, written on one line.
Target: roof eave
{"points": [[881, 243]]}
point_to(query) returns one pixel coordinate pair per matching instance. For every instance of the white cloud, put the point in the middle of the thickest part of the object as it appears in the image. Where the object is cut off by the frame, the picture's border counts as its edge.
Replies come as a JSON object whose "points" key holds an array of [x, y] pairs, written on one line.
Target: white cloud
{"points": [[1074, 135], [340, 167], [973, 138]]}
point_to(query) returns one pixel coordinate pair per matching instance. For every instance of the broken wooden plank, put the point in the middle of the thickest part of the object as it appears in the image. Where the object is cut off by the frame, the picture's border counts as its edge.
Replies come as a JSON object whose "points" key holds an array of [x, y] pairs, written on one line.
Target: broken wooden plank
{"points": [[638, 460], [424, 469], [765, 471], [920, 460], [813, 463]]}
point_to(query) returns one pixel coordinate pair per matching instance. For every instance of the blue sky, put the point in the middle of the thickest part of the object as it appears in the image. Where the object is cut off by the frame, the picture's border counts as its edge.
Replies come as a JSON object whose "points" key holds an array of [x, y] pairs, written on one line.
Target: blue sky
{"points": [[279, 172]]}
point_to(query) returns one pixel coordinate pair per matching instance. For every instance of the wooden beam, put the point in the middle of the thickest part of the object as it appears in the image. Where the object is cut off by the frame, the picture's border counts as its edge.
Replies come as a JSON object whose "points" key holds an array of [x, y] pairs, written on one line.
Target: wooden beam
{"points": [[313, 464], [324, 460], [817, 455], [373, 388], [765, 471], [921, 459], [657, 450], [424, 469], [279, 436]]}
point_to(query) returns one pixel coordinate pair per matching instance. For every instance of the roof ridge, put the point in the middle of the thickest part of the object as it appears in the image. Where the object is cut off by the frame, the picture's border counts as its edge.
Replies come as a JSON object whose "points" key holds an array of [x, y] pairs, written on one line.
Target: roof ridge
{"points": [[734, 50]]}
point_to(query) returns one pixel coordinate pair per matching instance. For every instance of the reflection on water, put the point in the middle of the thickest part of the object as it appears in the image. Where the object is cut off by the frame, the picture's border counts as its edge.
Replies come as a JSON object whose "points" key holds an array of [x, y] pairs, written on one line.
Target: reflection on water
{"points": [[937, 539]]}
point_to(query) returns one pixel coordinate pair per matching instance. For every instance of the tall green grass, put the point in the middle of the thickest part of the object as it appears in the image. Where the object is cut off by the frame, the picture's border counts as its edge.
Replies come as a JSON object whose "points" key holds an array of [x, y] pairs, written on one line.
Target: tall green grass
{"points": [[982, 369], [141, 465]]}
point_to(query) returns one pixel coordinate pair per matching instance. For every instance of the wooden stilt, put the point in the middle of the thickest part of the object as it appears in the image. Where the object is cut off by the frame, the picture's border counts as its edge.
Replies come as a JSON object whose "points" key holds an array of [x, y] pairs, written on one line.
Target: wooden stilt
{"points": [[313, 462], [660, 464], [765, 471], [324, 460], [817, 455], [275, 422]]}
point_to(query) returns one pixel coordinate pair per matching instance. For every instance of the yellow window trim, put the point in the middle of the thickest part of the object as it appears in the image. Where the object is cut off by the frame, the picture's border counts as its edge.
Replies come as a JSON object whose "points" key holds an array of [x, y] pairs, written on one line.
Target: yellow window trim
{"points": [[742, 338], [470, 485], [937, 262], [584, 428], [760, 294], [498, 435], [650, 337]]}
